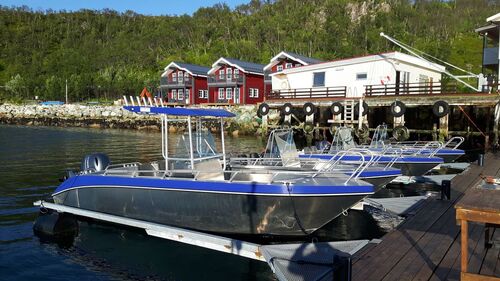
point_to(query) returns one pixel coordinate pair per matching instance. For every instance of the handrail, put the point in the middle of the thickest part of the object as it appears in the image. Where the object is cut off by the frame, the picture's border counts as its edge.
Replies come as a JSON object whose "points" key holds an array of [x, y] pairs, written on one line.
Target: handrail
{"points": [[460, 141]]}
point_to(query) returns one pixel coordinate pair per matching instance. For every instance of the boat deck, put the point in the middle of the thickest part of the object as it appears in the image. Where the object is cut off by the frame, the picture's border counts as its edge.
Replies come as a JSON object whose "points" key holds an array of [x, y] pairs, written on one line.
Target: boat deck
{"points": [[427, 245]]}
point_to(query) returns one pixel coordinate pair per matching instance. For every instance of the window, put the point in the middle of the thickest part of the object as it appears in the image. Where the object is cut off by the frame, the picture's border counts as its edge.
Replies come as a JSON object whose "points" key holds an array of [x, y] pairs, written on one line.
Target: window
{"points": [[253, 93], [180, 94], [206, 93], [318, 79], [279, 68], [174, 94], [221, 74], [229, 93], [174, 77], [179, 76], [236, 73], [361, 76], [221, 93], [201, 94], [298, 64], [229, 74], [288, 65]]}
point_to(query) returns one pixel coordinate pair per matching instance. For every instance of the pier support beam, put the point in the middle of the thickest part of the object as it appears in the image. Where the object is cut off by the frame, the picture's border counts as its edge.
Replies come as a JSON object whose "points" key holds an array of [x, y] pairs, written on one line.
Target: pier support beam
{"points": [[443, 128], [496, 121], [264, 126], [399, 121]]}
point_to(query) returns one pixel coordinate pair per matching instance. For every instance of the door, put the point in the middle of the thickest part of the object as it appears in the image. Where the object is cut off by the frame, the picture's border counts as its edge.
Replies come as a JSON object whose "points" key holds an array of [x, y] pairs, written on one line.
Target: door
{"points": [[236, 95]]}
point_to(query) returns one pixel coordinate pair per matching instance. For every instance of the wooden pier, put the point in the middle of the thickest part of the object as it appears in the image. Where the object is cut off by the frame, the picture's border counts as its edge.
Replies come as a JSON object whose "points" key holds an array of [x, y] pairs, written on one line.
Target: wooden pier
{"points": [[427, 245]]}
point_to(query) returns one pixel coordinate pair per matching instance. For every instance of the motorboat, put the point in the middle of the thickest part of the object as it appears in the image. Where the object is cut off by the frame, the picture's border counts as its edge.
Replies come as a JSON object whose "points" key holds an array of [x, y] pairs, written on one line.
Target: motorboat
{"points": [[448, 151], [281, 154], [409, 162], [192, 186]]}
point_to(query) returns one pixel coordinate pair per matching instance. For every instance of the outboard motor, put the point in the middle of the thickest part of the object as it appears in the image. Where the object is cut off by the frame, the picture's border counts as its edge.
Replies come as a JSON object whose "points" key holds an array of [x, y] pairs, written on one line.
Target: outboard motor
{"points": [[95, 162]]}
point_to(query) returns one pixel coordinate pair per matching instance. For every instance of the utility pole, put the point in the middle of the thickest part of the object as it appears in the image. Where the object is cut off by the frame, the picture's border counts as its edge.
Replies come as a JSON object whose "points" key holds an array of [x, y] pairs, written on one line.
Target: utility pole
{"points": [[66, 91]]}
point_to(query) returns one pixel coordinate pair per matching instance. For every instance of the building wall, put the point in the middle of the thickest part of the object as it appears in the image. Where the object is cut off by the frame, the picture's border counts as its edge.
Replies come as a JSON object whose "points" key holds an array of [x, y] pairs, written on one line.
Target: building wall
{"points": [[254, 81], [283, 63], [377, 72], [200, 83]]}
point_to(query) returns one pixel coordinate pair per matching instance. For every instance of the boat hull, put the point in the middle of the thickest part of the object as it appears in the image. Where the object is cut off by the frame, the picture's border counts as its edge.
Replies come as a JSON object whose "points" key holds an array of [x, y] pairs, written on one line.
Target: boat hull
{"points": [[213, 212], [414, 169]]}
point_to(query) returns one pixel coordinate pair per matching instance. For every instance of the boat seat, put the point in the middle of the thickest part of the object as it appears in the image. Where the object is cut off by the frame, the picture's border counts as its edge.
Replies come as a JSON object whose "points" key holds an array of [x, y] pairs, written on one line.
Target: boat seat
{"points": [[210, 169]]}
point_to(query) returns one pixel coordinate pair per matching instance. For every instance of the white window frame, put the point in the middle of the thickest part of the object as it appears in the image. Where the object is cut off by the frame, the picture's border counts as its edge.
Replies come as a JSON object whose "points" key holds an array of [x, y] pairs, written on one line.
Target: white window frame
{"points": [[222, 74], [201, 94], [229, 73], [256, 93], [174, 77], [361, 73], [180, 77], [250, 92], [229, 93], [236, 73], [174, 94], [288, 65], [180, 94], [279, 68], [206, 93], [221, 93]]}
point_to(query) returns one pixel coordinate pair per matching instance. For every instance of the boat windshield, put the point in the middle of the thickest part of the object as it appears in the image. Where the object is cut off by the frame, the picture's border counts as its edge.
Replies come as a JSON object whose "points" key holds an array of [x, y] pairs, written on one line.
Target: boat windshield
{"points": [[203, 145], [379, 137], [281, 145], [342, 140]]}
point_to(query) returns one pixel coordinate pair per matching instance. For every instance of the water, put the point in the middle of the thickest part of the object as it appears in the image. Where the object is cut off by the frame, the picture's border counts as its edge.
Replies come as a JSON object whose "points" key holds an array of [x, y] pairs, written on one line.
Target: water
{"points": [[32, 159]]}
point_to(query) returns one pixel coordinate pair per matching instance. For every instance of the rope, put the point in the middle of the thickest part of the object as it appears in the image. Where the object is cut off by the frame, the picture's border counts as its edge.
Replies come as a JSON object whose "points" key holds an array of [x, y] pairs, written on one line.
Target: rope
{"points": [[470, 119]]}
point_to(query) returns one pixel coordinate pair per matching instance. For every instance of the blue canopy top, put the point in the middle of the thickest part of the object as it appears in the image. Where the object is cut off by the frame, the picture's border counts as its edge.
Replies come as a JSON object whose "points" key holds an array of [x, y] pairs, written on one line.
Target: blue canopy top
{"points": [[180, 111]]}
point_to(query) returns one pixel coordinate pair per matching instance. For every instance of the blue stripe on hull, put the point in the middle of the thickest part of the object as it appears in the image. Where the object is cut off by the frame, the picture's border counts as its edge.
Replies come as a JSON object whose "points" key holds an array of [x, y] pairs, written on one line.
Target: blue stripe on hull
{"points": [[215, 186]]}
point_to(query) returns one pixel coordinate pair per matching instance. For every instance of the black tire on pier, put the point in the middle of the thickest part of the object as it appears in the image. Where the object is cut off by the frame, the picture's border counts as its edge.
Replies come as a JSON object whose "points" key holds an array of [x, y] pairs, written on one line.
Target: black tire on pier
{"points": [[365, 109], [363, 133], [336, 108], [398, 109], [400, 133], [309, 108], [287, 109], [263, 109], [441, 108]]}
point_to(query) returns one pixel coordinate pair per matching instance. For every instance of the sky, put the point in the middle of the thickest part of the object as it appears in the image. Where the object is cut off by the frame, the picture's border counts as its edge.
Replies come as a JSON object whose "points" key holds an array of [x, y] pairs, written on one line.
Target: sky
{"points": [[146, 7]]}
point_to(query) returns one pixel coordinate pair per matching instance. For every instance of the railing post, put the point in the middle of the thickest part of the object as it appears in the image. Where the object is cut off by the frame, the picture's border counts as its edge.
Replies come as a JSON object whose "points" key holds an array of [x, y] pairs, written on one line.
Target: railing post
{"points": [[310, 92], [385, 92]]}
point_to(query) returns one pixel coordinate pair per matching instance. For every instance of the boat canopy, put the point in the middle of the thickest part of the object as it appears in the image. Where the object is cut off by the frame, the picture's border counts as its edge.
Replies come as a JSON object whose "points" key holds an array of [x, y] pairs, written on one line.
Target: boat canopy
{"points": [[180, 111]]}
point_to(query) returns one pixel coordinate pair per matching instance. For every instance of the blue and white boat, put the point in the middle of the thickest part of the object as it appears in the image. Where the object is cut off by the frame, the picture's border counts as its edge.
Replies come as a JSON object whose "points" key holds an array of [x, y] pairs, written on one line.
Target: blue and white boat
{"points": [[193, 187], [409, 162], [281, 154], [449, 150]]}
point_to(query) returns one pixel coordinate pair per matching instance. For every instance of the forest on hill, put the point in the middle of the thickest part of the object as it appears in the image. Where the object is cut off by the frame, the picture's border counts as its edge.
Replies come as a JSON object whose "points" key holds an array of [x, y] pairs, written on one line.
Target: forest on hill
{"points": [[106, 53]]}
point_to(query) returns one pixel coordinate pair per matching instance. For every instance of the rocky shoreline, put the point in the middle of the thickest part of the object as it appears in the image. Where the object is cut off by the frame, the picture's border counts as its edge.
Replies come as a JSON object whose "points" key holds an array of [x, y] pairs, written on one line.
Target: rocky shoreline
{"points": [[246, 121]]}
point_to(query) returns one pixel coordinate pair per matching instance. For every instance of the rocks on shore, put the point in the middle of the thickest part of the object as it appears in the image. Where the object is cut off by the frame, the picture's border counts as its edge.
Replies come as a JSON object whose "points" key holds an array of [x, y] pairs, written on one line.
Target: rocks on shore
{"points": [[246, 121]]}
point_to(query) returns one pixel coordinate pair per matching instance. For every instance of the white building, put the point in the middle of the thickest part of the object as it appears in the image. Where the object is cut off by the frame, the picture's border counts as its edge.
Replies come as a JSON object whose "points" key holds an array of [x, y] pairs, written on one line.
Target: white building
{"points": [[392, 68]]}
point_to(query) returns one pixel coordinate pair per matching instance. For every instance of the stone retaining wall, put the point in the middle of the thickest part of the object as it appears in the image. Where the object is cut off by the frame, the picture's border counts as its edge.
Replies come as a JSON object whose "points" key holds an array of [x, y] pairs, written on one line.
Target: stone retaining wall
{"points": [[72, 115]]}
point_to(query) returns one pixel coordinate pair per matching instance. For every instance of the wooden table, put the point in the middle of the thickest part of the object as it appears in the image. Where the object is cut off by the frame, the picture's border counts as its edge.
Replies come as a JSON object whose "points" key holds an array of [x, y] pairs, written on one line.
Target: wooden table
{"points": [[478, 205]]}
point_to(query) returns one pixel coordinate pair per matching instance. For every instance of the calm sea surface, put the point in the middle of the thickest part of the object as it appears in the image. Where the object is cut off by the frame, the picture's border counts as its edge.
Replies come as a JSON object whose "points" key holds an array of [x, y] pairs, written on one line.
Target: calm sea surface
{"points": [[32, 159]]}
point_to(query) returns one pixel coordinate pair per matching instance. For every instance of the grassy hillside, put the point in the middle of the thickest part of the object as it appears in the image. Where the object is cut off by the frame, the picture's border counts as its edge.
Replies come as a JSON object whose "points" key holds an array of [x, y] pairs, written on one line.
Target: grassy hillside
{"points": [[105, 53]]}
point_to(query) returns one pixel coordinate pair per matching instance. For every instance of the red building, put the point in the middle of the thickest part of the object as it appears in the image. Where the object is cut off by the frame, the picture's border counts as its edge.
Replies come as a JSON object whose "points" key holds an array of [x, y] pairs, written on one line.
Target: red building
{"points": [[235, 82], [284, 60], [184, 83]]}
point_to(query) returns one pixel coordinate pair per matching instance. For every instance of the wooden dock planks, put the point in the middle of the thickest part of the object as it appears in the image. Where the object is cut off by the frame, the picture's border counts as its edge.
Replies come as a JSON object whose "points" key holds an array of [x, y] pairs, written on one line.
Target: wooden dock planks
{"points": [[427, 245]]}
